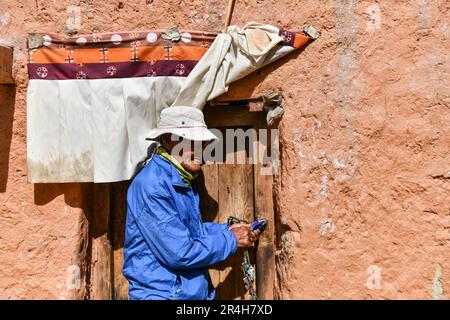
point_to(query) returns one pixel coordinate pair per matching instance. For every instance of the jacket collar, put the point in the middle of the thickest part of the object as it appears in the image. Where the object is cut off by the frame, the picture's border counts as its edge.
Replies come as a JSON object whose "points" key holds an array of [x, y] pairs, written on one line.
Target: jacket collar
{"points": [[170, 170]]}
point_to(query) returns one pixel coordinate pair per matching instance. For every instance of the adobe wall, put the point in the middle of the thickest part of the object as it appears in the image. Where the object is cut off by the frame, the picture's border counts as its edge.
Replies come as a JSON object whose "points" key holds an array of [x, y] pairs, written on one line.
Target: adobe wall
{"points": [[362, 194]]}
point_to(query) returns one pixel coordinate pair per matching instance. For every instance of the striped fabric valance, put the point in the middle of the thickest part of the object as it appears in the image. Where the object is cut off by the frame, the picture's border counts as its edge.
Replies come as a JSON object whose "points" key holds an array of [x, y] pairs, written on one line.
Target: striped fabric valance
{"points": [[125, 54]]}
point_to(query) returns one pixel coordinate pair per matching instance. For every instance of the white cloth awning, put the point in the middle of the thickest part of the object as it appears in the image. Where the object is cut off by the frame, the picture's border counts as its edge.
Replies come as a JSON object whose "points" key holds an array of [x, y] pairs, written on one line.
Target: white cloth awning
{"points": [[83, 127]]}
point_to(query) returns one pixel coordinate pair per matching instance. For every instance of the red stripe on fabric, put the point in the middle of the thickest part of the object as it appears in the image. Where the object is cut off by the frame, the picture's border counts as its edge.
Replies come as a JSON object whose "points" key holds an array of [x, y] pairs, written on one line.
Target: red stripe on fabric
{"points": [[68, 71], [288, 37]]}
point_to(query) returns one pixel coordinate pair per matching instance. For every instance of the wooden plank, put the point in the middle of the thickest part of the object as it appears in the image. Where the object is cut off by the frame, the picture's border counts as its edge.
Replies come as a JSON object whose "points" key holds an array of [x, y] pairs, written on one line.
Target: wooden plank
{"points": [[207, 187], [264, 208], [235, 198], [118, 217], [231, 116], [255, 106], [101, 278], [6, 61], [7, 99]]}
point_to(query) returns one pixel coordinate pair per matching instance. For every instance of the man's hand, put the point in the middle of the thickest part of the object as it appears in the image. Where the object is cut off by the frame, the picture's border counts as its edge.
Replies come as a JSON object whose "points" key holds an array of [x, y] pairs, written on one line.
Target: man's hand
{"points": [[245, 236]]}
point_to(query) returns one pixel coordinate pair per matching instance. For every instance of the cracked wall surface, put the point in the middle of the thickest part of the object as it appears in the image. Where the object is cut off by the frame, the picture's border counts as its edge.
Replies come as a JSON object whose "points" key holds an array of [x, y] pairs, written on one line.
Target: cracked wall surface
{"points": [[362, 192]]}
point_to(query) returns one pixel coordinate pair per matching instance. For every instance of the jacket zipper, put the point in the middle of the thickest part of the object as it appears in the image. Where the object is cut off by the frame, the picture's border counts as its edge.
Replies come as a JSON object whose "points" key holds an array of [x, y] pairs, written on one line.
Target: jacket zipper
{"points": [[178, 285]]}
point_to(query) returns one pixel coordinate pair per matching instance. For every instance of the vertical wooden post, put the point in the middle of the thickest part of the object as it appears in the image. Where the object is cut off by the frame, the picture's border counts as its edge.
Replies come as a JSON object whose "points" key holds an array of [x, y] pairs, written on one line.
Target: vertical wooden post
{"points": [[7, 100], [6, 60], [235, 198], [264, 207], [101, 266], [118, 218], [207, 186]]}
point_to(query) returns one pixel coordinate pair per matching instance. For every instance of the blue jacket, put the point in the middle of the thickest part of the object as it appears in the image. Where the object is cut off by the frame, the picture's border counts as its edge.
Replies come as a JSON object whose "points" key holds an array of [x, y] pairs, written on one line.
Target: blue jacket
{"points": [[168, 248]]}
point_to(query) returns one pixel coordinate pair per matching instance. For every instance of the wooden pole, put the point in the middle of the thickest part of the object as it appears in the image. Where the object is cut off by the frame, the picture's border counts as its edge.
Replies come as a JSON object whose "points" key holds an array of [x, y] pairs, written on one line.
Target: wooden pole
{"points": [[101, 276], [229, 14], [6, 61], [264, 207]]}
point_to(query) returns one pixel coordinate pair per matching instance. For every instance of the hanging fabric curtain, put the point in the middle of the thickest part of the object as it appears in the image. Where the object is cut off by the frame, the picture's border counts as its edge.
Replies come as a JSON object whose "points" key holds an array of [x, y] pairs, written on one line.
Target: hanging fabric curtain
{"points": [[93, 98]]}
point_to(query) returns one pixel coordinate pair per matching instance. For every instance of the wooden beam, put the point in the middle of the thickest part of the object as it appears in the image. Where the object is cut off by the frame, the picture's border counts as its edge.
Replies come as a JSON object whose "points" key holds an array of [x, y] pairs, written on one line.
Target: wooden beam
{"points": [[231, 116], [101, 264], [118, 219], [255, 106], [7, 106], [6, 61]]}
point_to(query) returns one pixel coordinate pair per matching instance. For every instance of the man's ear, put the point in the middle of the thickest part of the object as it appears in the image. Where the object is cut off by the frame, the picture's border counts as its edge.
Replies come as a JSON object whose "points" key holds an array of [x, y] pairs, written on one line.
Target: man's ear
{"points": [[164, 141], [168, 141]]}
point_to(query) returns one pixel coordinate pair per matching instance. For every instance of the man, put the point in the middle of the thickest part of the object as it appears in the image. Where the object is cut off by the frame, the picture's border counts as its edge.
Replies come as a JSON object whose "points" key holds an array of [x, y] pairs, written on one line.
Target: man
{"points": [[168, 248]]}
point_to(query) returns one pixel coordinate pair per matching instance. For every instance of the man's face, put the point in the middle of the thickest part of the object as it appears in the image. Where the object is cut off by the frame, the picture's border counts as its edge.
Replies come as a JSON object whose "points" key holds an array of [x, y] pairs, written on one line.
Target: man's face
{"points": [[188, 153]]}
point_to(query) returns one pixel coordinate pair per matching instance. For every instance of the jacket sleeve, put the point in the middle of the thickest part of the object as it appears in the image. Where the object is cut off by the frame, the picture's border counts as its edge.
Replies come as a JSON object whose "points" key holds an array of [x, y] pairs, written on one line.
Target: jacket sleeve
{"points": [[171, 242], [213, 228]]}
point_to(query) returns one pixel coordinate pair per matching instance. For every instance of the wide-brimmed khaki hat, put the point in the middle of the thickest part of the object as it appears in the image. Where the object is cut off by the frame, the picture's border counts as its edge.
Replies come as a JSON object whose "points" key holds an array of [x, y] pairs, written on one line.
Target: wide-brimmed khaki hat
{"points": [[185, 122]]}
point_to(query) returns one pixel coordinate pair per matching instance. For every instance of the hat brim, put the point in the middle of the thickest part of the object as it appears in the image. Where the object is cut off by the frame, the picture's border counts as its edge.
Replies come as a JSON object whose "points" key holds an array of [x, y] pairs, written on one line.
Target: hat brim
{"points": [[193, 134]]}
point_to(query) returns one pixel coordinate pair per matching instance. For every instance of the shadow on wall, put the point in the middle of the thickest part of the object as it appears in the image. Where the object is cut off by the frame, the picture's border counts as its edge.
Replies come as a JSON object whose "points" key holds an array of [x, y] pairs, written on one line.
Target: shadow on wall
{"points": [[76, 195], [7, 99], [244, 88]]}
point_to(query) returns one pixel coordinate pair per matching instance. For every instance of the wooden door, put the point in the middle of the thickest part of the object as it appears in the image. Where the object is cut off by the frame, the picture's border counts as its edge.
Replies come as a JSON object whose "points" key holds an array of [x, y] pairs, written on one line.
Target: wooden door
{"points": [[241, 191]]}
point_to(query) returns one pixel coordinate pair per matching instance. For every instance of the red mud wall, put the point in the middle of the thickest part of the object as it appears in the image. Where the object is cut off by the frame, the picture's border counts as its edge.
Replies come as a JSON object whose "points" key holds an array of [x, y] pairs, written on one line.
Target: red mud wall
{"points": [[363, 191]]}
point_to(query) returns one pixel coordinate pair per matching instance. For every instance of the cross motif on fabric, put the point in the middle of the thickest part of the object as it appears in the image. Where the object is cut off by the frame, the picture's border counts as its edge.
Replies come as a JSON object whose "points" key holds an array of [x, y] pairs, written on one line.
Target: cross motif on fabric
{"points": [[104, 52], [69, 58], [168, 48], [134, 51]]}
